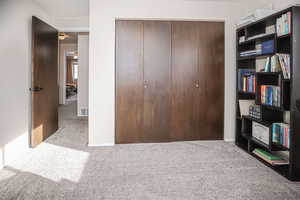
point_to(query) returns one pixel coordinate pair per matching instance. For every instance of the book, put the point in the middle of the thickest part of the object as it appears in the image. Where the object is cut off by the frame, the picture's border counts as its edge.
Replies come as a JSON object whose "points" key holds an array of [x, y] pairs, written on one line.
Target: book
{"points": [[260, 64], [267, 47], [267, 155], [270, 158], [246, 80], [270, 95], [267, 66], [284, 60], [283, 24], [281, 134], [275, 64], [263, 94], [244, 106]]}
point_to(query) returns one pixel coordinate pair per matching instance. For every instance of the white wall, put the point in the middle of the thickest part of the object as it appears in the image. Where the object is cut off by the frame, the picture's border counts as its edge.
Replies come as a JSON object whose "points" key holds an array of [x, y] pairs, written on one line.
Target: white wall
{"points": [[72, 24], [15, 56], [83, 73], [273, 4], [102, 40], [63, 50]]}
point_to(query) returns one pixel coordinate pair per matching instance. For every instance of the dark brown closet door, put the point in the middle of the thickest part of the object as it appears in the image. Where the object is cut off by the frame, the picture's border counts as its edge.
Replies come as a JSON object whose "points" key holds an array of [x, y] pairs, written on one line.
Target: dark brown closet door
{"points": [[44, 81], [129, 81], [157, 81], [185, 95], [211, 80]]}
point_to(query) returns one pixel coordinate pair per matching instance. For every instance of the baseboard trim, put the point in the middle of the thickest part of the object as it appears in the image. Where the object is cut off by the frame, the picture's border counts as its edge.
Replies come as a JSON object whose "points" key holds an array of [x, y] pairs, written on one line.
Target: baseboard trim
{"points": [[229, 140], [101, 145]]}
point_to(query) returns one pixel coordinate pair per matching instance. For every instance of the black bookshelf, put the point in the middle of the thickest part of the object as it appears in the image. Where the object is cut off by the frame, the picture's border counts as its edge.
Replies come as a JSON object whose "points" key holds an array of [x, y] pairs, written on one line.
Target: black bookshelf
{"points": [[289, 95]]}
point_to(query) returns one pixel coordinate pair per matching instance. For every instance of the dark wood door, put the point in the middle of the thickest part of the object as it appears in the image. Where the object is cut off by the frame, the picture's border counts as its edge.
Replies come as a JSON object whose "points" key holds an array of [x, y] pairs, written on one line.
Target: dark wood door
{"points": [[129, 81], [44, 81], [211, 80], [185, 95], [169, 81], [157, 81]]}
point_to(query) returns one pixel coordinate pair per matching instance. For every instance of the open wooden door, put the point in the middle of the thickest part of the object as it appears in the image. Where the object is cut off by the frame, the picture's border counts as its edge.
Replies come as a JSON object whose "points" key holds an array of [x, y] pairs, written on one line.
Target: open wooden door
{"points": [[44, 81]]}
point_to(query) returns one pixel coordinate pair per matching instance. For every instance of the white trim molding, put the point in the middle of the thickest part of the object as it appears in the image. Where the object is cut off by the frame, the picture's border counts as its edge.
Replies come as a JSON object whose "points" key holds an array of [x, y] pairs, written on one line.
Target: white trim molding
{"points": [[101, 145]]}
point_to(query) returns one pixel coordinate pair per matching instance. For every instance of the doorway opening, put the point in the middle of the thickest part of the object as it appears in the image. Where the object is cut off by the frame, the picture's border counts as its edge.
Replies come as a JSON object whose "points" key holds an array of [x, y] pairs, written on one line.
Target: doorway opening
{"points": [[59, 80], [73, 71]]}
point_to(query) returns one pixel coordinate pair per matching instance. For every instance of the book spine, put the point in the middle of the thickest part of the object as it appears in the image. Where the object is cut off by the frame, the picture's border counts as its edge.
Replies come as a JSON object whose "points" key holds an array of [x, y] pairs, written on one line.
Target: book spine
{"points": [[289, 22], [263, 94]]}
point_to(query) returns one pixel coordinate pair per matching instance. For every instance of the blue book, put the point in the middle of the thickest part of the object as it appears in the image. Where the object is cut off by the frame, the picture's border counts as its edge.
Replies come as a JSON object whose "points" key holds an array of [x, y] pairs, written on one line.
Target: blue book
{"points": [[267, 47], [241, 74], [269, 95], [274, 133]]}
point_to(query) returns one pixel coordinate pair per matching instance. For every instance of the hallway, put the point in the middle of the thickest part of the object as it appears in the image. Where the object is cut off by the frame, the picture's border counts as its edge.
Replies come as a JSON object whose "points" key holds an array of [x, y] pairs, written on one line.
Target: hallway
{"points": [[64, 167]]}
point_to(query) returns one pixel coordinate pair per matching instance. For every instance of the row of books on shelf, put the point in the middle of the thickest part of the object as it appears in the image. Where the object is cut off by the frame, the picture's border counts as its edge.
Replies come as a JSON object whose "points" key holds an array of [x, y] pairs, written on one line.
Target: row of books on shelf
{"points": [[283, 24], [281, 134], [249, 83], [266, 47], [269, 30], [275, 63], [270, 158], [250, 53], [270, 95], [246, 80], [285, 63]]}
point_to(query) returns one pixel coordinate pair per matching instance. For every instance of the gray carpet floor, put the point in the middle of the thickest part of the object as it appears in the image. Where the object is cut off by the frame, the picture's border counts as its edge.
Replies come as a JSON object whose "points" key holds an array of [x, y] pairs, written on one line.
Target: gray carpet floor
{"points": [[64, 167]]}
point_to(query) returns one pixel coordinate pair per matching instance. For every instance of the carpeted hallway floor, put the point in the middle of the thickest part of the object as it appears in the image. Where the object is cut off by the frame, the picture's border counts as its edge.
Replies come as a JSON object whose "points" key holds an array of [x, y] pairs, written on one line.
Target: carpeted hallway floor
{"points": [[65, 168]]}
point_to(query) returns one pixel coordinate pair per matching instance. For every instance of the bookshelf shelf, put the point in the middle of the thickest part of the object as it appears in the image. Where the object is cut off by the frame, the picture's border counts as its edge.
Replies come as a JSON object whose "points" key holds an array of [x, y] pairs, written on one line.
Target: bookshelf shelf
{"points": [[269, 73], [285, 92], [279, 146], [273, 107], [255, 56], [249, 93], [264, 37], [283, 170], [283, 36]]}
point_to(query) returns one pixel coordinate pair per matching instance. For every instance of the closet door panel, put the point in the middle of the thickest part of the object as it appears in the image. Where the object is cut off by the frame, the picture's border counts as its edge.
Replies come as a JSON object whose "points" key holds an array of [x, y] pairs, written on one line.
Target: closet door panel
{"points": [[157, 81], [129, 81], [185, 95], [211, 80]]}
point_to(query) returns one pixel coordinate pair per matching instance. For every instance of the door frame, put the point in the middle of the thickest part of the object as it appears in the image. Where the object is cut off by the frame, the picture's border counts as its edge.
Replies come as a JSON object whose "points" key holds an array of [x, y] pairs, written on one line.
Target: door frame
{"points": [[170, 20]]}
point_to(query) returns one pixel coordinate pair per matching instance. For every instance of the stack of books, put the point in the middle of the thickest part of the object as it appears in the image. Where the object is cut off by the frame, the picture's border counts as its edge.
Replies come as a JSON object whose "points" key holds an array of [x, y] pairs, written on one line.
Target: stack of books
{"points": [[276, 63], [281, 134], [255, 111], [283, 24], [249, 83], [270, 95], [270, 158], [285, 64], [267, 47], [249, 53], [246, 80], [272, 64]]}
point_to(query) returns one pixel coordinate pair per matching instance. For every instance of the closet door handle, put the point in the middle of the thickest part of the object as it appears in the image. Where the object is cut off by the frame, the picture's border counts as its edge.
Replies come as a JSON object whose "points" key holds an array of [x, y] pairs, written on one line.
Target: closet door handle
{"points": [[197, 84]]}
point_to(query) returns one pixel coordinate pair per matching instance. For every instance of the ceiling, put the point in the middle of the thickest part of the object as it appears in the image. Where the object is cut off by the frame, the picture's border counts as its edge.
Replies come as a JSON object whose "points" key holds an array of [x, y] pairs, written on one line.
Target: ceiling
{"points": [[65, 8]]}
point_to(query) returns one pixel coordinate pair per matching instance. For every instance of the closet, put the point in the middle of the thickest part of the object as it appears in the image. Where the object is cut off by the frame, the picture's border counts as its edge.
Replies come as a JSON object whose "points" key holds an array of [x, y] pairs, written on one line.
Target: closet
{"points": [[169, 81]]}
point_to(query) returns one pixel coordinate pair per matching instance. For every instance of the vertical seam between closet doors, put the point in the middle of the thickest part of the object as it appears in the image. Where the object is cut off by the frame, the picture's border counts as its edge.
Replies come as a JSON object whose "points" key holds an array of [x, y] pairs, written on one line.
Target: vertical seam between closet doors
{"points": [[171, 81], [143, 83]]}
